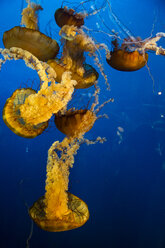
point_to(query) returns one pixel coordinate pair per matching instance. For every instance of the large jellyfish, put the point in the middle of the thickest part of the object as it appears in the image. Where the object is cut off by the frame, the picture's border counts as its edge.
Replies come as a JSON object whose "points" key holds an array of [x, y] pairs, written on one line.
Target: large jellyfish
{"points": [[65, 16], [29, 37], [12, 115], [59, 210]]}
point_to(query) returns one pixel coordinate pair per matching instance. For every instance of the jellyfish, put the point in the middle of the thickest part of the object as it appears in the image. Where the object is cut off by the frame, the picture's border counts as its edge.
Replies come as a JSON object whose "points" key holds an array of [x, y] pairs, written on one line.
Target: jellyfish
{"points": [[132, 55], [128, 53], [65, 16], [74, 121], [12, 115], [123, 59], [29, 37], [59, 210]]}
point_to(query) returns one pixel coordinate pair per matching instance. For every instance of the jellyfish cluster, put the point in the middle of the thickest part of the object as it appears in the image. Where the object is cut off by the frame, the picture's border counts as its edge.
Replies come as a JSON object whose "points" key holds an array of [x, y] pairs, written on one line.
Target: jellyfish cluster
{"points": [[27, 112]]}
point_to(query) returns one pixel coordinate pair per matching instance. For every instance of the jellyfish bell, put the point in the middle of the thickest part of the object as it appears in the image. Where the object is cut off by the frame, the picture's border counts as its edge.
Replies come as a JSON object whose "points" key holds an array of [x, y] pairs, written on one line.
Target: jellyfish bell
{"points": [[122, 59], [29, 37], [127, 61], [12, 115], [86, 80], [127, 56], [65, 16], [77, 215], [37, 43], [75, 122]]}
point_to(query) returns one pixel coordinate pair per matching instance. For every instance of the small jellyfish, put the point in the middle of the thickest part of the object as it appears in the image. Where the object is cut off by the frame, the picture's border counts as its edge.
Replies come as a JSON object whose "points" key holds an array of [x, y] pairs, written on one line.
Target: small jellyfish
{"points": [[74, 122], [13, 119], [131, 54], [29, 37], [122, 59], [65, 16]]}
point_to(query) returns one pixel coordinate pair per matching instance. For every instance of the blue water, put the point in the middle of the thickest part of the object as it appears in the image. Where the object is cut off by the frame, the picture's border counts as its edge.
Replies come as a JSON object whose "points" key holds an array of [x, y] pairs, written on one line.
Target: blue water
{"points": [[122, 180]]}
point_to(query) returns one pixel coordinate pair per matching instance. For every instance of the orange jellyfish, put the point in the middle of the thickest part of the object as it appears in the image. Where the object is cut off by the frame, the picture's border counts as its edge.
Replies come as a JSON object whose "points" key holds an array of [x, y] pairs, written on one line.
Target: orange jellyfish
{"points": [[65, 16], [29, 37], [74, 121], [76, 214], [13, 119], [60, 210], [125, 56], [122, 59]]}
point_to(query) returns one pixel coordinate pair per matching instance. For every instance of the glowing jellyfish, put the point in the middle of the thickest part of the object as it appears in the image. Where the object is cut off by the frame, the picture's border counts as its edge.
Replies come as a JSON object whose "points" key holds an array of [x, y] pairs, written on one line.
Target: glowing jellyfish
{"points": [[76, 216], [65, 16], [122, 59], [29, 38], [59, 210], [13, 119]]}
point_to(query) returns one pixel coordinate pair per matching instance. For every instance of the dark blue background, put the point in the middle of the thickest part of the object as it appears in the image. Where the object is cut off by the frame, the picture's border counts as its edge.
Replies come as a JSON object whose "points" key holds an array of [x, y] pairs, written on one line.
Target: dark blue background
{"points": [[123, 183]]}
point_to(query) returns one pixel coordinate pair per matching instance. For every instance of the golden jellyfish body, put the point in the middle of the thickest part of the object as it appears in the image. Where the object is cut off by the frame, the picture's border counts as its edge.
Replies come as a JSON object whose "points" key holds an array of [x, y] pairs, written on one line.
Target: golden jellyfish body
{"points": [[127, 61], [60, 210], [122, 59], [86, 80], [78, 214], [40, 45], [74, 122], [65, 16], [13, 119], [29, 37]]}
